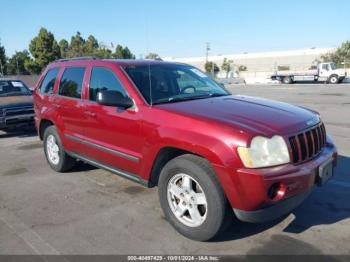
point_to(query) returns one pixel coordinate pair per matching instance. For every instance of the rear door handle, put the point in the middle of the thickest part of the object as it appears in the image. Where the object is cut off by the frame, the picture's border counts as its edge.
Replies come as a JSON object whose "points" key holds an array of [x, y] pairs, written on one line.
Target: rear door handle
{"points": [[57, 106], [90, 114]]}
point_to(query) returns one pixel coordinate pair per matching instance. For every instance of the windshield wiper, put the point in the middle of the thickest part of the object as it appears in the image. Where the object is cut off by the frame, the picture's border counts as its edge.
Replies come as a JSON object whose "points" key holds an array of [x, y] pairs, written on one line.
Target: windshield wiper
{"points": [[217, 95], [179, 99]]}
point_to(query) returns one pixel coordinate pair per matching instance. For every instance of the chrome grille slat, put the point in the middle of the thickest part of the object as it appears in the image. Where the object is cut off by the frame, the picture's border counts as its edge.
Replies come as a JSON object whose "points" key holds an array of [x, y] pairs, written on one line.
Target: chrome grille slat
{"points": [[18, 111], [308, 144]]}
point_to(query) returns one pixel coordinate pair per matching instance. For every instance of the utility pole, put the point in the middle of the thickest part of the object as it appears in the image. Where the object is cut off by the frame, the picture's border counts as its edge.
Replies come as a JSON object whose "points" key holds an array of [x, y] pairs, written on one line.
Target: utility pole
{"points": [[207, 49], [17, 65], [1, 70], [345, 57]]}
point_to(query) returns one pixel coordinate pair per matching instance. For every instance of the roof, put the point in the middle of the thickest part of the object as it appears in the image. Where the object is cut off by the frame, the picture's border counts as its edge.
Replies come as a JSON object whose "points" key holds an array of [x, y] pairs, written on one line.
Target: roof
{"points": [[120, 62]]}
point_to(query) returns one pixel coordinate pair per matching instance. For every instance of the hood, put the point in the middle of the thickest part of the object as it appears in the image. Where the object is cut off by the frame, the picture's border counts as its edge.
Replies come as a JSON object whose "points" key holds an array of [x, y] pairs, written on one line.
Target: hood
{"points": [[14, 101], [250, 114], [340, 72]]}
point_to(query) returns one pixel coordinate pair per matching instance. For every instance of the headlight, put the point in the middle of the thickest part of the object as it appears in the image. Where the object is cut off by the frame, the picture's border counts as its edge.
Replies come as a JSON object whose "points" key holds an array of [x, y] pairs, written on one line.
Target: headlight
{"points": [[264, 152]]}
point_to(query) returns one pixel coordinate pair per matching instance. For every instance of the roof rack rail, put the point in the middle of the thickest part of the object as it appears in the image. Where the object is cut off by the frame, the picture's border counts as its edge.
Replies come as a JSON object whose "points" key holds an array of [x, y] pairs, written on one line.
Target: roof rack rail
{"points": [[76, 58]]}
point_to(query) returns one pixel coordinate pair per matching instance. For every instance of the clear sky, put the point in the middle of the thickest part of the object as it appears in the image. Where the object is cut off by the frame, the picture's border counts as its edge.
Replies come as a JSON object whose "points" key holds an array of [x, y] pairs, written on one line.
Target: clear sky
{"points": [[180, 28]]}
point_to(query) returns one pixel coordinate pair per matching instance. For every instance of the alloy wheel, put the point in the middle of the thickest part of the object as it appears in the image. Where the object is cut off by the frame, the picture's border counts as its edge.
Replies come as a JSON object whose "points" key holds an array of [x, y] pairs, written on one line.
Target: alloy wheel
{"points": [[52, 150], [187, 200]]}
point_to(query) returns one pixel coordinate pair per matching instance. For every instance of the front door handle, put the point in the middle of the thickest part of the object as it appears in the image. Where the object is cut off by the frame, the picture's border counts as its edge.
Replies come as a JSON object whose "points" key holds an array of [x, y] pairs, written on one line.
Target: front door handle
{"points": [[57, 106]]}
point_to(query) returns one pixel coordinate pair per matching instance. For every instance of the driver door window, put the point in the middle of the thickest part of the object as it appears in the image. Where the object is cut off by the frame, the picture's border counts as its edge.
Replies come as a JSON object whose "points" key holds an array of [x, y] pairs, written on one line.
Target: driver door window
{"points": [[103, 79]]}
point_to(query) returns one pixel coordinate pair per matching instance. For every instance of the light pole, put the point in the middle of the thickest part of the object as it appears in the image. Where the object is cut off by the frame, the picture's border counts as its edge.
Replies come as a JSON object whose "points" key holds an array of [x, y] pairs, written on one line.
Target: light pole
{"points": [[207, 49]]}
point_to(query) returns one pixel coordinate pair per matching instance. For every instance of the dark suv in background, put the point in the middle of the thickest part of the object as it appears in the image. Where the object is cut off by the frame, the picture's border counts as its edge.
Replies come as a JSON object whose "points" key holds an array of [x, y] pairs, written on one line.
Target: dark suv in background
{"points": [[16, 105]]}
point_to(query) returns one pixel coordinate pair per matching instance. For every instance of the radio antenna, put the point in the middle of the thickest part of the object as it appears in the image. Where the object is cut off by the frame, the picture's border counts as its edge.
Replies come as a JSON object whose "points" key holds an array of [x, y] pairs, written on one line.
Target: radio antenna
{"points": [[149, 62]]}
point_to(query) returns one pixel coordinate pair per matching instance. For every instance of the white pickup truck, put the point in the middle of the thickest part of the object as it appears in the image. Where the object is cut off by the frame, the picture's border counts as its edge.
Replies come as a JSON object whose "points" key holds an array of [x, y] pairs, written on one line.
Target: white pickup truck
{"points": [[325, 72]]}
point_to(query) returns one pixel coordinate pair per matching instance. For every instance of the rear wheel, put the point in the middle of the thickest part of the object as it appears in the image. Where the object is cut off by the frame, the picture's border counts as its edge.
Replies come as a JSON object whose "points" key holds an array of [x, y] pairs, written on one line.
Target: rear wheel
{"points": [[287, 80], [192, 198], [57, 158]]}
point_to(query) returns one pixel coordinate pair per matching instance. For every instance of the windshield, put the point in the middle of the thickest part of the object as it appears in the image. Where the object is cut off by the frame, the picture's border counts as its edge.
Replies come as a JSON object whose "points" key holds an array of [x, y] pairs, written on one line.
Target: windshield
{"points": [[13, 88], [333, 66], [173, 83]]}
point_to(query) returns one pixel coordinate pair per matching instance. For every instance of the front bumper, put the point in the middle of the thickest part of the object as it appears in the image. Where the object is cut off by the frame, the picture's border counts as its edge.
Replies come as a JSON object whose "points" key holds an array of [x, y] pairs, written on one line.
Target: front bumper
{"points": [[248, 189], [273, 212]]}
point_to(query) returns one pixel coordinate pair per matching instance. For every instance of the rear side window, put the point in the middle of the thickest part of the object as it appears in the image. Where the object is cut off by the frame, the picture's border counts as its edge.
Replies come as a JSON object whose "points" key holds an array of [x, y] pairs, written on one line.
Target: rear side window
{"points": [[49, 81], [71, 82], [104, 79]]}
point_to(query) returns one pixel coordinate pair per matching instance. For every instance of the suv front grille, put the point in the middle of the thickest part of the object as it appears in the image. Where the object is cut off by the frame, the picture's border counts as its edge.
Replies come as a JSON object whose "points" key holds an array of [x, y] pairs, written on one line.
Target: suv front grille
{"points": [[18, 111], [308, 144]]}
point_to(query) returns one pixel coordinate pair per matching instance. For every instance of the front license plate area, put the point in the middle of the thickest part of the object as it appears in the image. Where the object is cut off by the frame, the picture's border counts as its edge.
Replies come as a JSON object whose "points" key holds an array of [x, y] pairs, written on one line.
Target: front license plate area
{"points": [[325, 172]]}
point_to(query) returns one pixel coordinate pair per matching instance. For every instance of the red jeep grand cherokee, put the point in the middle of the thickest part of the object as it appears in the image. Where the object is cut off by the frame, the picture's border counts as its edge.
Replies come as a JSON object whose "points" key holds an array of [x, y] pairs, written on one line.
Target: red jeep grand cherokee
{"points": [[169, 125]]}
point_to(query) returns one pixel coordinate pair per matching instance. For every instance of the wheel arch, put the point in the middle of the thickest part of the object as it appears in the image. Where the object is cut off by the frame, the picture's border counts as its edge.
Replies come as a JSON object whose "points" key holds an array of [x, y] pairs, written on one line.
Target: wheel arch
{"points": [[44, 123], [164, 155]]}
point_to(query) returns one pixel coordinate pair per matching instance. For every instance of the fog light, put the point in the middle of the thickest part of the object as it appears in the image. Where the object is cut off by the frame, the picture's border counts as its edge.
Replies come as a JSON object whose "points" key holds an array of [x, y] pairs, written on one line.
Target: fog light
{"points": [[277, 191]]}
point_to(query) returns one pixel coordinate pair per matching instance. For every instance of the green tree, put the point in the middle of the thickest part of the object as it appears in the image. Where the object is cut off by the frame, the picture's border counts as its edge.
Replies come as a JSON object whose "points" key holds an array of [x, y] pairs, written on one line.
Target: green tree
{"points": [[44, 49], [76, 47], [64, 48], [16, 64], [211, 68], [339, 56], [123, 53], [128, 54], [90, 46], [103, 53], [226, 65], [153, 56], [118, 54], [32, 67], [283, 68], [3, 60], [242, 68]]}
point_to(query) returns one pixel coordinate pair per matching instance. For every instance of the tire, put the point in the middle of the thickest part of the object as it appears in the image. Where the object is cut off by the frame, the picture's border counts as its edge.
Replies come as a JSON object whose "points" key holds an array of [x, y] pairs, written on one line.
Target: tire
{"points": [[287, 80], [213, 216], [333, 79], [63, 162]]}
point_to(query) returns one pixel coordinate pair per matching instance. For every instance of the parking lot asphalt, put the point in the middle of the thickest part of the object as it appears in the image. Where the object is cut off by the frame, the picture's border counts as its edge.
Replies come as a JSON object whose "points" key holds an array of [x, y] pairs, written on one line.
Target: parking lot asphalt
{"points": [[91, 211]]}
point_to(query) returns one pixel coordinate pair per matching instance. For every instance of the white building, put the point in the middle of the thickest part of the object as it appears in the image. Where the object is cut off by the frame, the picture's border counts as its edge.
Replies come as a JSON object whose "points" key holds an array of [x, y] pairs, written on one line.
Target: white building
{"points": [[260, 65]]}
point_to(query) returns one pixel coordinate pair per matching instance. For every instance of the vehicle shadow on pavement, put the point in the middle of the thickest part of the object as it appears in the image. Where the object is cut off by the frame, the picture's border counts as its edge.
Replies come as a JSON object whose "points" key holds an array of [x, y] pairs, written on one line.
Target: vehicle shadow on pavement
{"points": [[21, 133], [326, 205], [80, 166], [239, 230]]}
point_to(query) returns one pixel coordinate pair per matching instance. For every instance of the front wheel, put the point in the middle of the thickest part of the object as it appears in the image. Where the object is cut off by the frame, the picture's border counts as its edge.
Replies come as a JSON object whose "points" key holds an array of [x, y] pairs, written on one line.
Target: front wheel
{"points": [[192, 198]]}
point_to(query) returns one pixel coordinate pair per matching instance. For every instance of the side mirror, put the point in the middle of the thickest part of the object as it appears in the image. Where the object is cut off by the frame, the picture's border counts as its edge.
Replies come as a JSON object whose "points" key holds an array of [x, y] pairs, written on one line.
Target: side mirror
{"points": [[113, 98]]}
